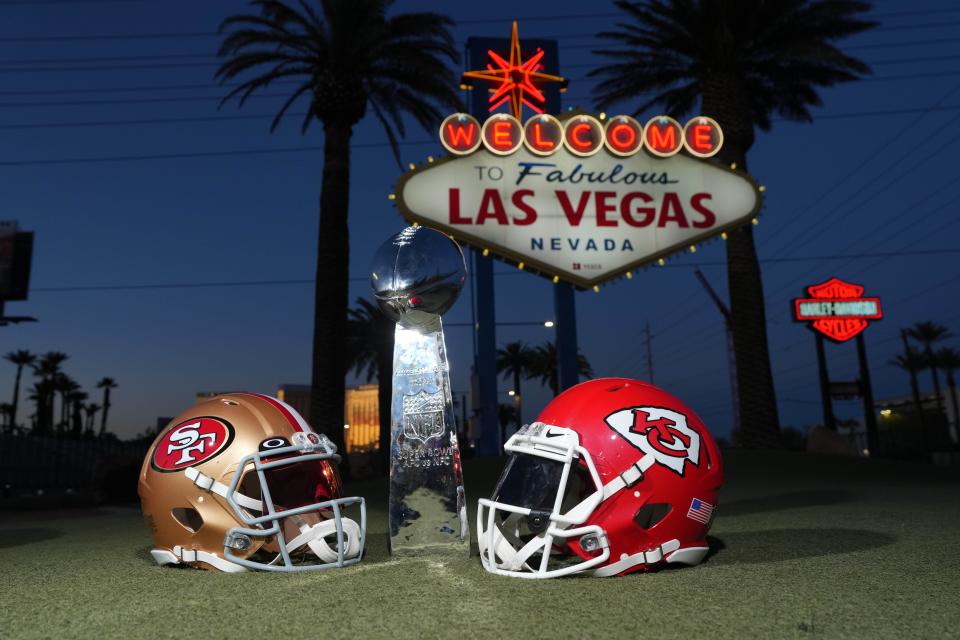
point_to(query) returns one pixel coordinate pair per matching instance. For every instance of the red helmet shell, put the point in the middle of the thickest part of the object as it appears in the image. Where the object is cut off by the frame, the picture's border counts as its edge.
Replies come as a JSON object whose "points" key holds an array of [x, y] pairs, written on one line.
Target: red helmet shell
{"points": [[620, 420]]}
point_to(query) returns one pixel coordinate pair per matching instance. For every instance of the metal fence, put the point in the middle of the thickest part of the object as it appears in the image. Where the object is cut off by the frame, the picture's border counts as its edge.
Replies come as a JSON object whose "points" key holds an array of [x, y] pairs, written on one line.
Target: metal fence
{"points": [[30, 462]]}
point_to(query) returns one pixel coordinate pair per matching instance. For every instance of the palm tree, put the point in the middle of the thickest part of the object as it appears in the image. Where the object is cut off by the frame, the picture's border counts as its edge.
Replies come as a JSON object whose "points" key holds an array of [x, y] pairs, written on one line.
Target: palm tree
{"points": [[76, 399], [743, 61], [505, 415], [928, 334], [346, 56], [64, 385], [91, 412], [106, 384], [21, 359], [47, 368], [370, 351], [41, 395], [543, 366], [6, 413], [514, 359], [948, 359], [912, 361]]}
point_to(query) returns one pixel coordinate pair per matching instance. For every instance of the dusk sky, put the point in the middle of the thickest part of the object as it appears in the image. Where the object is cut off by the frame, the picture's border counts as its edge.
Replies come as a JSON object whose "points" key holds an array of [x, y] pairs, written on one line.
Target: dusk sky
{"points": [[115, 155]]}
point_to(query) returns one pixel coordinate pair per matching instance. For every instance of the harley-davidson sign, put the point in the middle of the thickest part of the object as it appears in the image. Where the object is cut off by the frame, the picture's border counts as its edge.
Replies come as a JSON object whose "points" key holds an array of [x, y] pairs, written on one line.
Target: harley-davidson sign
{"points": [[583, 218], [837, 309]]}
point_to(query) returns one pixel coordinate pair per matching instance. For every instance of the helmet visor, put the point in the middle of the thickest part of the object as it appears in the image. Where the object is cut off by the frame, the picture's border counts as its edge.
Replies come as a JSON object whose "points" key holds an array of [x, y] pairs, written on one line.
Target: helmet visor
{"points": [[301, 483], [533, 482]]}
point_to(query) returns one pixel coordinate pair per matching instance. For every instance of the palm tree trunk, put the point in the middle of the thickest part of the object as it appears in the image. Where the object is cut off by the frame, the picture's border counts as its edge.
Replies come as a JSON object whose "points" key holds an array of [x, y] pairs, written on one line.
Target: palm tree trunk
{"points": [[384, 400], [106, 410], [936, 379], [759, 419], [516, 397], [16, 396], [331, 289], [952, 386]]}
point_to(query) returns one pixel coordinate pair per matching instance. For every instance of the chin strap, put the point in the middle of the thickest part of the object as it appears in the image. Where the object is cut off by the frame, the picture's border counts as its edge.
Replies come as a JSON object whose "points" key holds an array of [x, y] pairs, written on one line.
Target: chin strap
{"points": [[504, 548], [179, 554], [209, 484], [630, 477], [644, 557], [314, 537]]}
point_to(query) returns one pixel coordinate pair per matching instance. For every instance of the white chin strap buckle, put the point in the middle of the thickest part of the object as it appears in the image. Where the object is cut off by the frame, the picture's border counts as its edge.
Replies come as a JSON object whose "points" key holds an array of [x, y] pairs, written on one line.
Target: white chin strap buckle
{"points": [[315, 538]]}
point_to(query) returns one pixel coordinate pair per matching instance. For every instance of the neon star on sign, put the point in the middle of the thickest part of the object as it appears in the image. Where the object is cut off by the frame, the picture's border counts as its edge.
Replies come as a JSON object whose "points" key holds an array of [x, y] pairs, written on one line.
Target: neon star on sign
{"points": [[514, 79]]}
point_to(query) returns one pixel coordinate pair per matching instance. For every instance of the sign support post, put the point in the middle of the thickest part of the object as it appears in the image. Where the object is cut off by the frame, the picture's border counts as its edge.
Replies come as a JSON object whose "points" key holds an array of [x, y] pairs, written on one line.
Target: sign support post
{"points": [[838, 310], [484, 296], [485, 358], [829, 421], [563, 301], [866, 390], [564, 306]]}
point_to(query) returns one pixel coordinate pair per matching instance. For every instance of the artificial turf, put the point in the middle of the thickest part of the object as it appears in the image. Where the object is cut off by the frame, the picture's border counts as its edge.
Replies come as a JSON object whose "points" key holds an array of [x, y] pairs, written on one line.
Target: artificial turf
{"points": [[803, 547]]}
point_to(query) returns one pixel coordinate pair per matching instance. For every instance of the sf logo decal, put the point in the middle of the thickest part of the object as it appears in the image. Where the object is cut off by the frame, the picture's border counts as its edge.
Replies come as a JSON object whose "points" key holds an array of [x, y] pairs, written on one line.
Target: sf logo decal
{"points": [[191, 442], [662, 433]]}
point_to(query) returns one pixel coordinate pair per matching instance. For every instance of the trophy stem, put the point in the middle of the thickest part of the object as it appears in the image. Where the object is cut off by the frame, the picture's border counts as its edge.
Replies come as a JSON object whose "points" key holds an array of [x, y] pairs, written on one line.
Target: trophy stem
{"points": [[427, 500]]}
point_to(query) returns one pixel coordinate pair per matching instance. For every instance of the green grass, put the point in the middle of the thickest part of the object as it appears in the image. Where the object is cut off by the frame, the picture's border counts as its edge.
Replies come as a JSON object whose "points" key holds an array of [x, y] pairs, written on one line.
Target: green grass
{"points": [[856, 549]]}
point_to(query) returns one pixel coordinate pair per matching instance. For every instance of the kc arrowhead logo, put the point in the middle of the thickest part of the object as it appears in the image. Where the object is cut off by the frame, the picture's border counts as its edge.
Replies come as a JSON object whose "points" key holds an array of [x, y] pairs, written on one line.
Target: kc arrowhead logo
{"points": [[659, 432]]}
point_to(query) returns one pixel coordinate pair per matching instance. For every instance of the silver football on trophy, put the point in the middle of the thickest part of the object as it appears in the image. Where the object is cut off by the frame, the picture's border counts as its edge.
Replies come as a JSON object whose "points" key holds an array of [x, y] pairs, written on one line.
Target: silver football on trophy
{"points": [[417, 275]]}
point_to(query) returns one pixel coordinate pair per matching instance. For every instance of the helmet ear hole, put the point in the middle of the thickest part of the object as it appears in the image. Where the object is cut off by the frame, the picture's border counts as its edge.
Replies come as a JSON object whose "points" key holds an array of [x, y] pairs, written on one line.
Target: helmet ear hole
{"points": [[649, 515], [189, 518]]}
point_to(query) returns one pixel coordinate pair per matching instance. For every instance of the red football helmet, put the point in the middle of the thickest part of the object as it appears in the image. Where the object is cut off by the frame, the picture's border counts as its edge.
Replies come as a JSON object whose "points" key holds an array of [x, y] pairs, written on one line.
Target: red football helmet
{"points": [[615, 476]]}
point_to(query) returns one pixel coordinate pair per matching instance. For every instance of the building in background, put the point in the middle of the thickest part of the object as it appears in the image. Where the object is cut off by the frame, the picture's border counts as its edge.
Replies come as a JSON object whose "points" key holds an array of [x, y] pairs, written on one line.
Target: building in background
{"points": [[361, 412]]}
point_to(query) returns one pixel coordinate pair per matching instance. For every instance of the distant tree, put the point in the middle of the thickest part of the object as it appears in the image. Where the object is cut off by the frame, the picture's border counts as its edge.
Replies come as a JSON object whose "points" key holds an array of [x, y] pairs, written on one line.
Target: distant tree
{"points": [[543, 366], [21, 359], [929, 334], [46, 368], [64, 385], [912, 361], [76, 400], [91, 412], [40, 394], [948, 360], [6, 416], [742, 62], [506, 414], [106, 384], [343, 57], [370, 351], [514, 360]]}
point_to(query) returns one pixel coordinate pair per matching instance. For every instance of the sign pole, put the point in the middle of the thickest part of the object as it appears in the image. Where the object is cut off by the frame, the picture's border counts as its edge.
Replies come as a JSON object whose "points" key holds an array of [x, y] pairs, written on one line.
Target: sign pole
{"points": [[486, 355], [564, 306], [828, 419], [866, 390], [485, 327]]}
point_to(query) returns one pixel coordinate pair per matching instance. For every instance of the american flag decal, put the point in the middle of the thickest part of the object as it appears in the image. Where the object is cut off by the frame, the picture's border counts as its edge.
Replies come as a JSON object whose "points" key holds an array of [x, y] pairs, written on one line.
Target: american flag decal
{"points": [[700, 511]]}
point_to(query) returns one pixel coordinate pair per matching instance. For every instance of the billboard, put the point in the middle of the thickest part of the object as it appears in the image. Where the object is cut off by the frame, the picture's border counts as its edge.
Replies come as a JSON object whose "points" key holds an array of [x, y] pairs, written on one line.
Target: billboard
{"points": [[16, 251], [837, 309], [581, 215]]}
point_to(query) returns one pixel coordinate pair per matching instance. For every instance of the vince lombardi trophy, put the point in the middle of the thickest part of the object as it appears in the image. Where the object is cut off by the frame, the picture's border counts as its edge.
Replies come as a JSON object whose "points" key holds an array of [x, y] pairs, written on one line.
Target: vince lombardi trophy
{"points": [[417, 276]]}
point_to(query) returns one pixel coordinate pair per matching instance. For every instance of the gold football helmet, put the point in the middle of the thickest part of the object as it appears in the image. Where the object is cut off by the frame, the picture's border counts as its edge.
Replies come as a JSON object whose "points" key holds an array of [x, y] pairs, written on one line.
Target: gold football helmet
{"points": [[240, 481]]}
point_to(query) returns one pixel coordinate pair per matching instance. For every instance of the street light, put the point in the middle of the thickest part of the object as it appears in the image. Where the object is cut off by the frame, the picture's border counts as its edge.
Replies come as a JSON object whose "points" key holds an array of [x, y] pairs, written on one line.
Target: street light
{"points": [[548, 324], [511, 393]]}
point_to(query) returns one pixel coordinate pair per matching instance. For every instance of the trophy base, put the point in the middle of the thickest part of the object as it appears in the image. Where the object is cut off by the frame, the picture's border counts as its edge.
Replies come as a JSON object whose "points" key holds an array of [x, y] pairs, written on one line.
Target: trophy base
{"points": [[427, 501]]}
